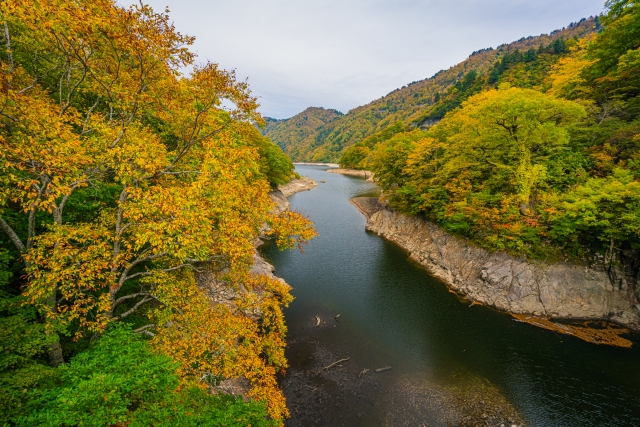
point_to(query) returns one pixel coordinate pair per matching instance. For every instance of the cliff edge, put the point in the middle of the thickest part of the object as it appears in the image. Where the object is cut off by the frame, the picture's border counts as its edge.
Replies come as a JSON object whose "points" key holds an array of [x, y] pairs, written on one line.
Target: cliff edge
{"points": [[560, 290]]}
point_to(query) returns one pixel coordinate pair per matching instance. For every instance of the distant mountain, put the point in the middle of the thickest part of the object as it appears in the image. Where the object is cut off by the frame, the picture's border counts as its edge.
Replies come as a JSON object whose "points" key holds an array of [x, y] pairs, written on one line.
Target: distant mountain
{"points": [[317, 134], [288, 133]]}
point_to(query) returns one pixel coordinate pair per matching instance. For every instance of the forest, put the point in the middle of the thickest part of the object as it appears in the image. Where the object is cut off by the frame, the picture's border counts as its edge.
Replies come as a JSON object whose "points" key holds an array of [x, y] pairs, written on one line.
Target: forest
{"points": [[537, 155], [123, 182], [421, 103], [531, 148]]}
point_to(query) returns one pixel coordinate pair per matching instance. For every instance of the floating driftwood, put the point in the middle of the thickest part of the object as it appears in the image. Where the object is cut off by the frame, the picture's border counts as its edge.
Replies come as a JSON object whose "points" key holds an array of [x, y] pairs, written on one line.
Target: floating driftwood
{"points": [[317, 320], [386, 368], [594, 332], [363, 373], [336, 317], [334, 364]]}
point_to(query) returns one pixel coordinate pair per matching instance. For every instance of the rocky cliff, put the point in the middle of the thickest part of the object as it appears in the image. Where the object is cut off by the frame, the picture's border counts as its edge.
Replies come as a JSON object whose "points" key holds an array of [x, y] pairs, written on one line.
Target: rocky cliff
{"points": [[559, 290], [368, 175]]}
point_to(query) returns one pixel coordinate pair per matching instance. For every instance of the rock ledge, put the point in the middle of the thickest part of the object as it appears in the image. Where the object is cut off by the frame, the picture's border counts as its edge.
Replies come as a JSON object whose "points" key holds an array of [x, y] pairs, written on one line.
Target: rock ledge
{"points": [[560, 290]]}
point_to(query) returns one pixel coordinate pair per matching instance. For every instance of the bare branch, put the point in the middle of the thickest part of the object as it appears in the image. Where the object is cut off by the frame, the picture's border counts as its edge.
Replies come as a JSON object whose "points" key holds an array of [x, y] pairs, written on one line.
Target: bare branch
{"points": [[7, 38], [12, 235], [135, 307], [123, 275], [31, 230], [179, 173], [163, 270], [145, 330], [128, 297], [153, 325], [88, 116]]}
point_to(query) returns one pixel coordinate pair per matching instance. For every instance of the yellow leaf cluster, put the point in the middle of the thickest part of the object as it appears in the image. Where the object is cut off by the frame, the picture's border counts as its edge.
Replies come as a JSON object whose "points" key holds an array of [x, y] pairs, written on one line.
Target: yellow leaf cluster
{"points": [[92, 98]]}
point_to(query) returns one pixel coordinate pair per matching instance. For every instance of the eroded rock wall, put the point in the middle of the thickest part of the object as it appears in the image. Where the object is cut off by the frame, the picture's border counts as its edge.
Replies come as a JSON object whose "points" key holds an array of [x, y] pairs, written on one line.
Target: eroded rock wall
{"points": [[560, 290]]}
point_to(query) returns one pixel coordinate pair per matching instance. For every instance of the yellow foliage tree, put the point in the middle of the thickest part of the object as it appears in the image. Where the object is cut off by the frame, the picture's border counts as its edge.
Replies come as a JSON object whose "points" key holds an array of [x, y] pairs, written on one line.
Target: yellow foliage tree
{"points": [[92, 97], [504, 135]]}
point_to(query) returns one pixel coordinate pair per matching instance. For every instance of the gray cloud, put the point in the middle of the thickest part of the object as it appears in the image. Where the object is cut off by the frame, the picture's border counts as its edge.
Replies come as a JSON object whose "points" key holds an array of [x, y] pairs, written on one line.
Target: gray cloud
{"points": [[345, 53]]}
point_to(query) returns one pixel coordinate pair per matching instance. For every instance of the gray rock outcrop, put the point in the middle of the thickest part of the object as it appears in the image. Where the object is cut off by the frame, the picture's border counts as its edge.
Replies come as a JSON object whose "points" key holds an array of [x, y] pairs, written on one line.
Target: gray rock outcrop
{"points": [[560, 290], [368, 175], [297, 185]]}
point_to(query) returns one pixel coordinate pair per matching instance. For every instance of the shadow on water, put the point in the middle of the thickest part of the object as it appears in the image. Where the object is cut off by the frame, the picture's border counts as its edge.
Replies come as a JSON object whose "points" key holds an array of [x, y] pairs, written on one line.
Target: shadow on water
{"points": [[452, 364]]}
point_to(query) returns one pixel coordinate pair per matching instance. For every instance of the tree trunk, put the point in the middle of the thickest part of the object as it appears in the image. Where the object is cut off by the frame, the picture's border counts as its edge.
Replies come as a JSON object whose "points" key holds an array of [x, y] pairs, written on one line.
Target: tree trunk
{"points": [[523, 208], [55, 349], [55, 354]]}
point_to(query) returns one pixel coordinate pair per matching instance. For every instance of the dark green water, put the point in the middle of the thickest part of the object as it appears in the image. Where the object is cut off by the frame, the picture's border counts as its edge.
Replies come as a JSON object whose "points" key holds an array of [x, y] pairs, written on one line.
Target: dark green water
{"points": [[392, 312]]}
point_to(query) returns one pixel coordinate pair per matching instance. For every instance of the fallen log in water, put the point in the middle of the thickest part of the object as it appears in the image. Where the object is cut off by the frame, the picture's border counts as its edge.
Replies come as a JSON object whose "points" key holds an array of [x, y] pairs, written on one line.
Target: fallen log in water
{"points": [[386, 368], [333, 364]]}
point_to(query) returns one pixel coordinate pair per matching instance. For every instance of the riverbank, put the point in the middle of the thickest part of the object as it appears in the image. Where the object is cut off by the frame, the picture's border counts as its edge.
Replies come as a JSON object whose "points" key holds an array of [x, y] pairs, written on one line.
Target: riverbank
{"points": [[331, 165], [297, 185], [542, 291], [368, 205], [368, 175]]}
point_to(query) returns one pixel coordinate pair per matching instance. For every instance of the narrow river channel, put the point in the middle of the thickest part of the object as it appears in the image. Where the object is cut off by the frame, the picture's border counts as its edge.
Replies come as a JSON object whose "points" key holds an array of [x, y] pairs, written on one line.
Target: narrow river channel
{"points": [[452, 364]]}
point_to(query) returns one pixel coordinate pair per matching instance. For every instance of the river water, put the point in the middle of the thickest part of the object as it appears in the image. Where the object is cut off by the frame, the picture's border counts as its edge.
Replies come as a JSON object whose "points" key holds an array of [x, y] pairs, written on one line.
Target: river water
{"points": [[452, 363]]}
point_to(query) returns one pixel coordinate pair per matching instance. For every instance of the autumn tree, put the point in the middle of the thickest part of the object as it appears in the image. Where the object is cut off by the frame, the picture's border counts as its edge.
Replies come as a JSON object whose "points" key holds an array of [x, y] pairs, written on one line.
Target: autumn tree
{"points": [[504, 137], [94, 101]]}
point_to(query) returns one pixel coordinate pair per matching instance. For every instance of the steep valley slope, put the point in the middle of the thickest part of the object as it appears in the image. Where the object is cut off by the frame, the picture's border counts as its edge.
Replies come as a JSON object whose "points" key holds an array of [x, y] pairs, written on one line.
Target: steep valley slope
{"points": [[320, 135]]}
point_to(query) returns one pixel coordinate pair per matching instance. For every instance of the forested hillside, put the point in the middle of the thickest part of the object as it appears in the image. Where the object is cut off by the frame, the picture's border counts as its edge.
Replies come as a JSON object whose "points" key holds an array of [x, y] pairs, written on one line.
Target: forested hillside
{"points": [[122, 181], [543, 168], [523, 63], [290, 132]]}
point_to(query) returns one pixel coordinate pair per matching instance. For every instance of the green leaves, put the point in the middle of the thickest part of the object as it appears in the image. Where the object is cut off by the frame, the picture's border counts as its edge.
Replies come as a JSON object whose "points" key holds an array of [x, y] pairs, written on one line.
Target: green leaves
{"points": [[120, 380], [23, 342], [604, 209]]}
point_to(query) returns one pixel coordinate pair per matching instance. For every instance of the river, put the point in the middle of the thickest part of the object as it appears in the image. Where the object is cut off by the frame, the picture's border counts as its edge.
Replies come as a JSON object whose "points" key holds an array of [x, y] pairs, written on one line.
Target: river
{"points": [[452, 364]]}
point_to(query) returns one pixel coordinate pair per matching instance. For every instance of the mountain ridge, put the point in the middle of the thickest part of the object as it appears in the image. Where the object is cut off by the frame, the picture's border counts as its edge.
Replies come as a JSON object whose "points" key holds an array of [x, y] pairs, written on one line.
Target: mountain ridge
{"points": [[413, 103]]}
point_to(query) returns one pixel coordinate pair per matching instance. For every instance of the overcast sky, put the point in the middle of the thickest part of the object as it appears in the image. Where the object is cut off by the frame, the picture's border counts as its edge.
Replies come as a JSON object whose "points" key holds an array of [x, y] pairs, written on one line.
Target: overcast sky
{"points": [[345, 53]]}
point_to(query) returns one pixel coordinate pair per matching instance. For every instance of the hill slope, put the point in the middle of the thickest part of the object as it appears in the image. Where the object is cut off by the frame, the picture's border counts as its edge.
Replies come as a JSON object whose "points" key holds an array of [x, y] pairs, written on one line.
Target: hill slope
{"points": [[288, 133], [524, 63]]}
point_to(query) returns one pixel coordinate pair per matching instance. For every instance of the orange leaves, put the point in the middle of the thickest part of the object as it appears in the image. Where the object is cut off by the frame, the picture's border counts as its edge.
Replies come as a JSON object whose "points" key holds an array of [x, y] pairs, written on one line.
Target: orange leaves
{"points": [[226, 341], [40, 143], [566, 77], [92, 98], [291, 229], [76, 262]]}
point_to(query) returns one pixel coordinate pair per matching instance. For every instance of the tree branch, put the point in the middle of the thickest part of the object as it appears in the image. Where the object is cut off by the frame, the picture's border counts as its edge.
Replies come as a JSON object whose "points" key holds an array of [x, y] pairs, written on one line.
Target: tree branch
{"points": [[12, 235], [7, 37], [144, 330], [128, 297], [135, 307], [151, 273]]}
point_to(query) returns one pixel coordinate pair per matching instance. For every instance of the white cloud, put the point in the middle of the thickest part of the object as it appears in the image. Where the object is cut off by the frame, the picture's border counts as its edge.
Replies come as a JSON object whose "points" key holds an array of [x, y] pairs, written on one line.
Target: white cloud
{"points": [[345, 53]]}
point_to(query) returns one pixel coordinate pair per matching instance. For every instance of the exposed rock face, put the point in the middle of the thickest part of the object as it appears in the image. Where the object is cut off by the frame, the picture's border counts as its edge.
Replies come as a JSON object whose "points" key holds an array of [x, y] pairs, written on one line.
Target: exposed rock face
{"points": [[560, 290], [368, 205], [280, 201], [297, 185], [368, 175]]}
